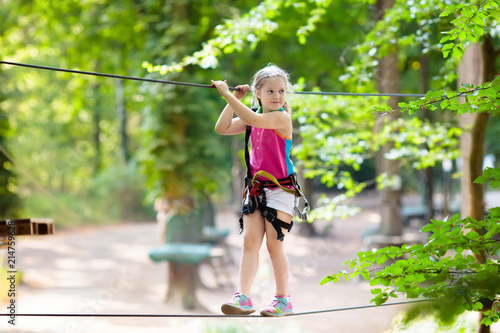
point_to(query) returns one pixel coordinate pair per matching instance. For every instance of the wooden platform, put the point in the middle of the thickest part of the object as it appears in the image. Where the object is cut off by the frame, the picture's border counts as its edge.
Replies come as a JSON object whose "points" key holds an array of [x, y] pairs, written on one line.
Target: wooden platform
{"points": [[32, 226]]}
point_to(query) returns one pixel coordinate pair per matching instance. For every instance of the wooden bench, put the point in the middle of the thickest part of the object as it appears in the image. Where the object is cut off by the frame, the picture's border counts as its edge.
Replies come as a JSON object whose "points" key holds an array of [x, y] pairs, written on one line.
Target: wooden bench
{"points": [[409, 213], [31, 226]]}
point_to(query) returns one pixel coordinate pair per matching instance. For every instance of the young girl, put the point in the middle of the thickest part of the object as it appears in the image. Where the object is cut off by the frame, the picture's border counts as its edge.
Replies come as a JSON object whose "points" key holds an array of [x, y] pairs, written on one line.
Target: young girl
{"points": [[271, 139]]}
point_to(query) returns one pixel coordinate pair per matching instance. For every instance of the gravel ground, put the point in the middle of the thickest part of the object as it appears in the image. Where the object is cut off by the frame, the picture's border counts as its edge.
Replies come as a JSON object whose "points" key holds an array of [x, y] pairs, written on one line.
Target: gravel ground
{"points": [[106, 269]]}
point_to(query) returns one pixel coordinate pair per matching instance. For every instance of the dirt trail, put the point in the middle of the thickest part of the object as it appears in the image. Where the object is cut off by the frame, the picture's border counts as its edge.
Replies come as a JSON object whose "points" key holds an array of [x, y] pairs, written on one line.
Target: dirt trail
{"points": [[107, 270]]}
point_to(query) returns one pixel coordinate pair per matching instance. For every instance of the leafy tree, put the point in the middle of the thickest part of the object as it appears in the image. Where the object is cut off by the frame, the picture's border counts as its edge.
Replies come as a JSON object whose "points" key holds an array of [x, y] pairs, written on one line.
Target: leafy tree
{"points": [[69, 121], [9, 201], [462, 281]]}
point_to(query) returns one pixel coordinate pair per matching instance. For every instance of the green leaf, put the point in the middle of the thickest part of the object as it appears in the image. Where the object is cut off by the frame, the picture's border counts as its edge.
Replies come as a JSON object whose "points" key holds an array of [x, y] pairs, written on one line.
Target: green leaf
{"points": [[467, 12], [446, 53], [365, 274], [481, 179], [445, 104], [462, 36], [365, 264], [381, 259], [326, 279], [380, 298], [458, 51], [445, 38], [473, 235], [302, 39], [446, 47], [445, 13]]}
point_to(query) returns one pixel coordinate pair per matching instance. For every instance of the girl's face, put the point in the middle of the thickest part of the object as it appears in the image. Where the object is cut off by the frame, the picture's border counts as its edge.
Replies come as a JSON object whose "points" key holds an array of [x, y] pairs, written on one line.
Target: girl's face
{"points": [[272, 94]]}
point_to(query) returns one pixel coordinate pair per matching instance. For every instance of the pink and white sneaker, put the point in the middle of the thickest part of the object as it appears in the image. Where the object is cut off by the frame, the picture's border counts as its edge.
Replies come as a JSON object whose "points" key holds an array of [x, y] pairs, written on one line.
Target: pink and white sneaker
{"points": [[240, 304], [280, 306]]}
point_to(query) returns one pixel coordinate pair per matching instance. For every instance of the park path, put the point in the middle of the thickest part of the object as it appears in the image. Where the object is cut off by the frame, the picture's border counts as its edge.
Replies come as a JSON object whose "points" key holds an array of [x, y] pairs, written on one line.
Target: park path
{"points": [[106, 269]]}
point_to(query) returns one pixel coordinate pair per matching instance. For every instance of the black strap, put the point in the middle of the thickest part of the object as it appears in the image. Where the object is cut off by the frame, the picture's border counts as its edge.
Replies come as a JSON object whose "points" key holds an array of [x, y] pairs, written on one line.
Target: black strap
{"points": [[271, 215], [247, 153]]}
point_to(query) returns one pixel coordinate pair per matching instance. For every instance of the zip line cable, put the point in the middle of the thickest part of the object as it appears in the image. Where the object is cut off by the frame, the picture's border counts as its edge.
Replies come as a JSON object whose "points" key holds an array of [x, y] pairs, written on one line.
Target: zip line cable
{"points": [[133, 78], [353, 94], [114, 76], [157, 315]]}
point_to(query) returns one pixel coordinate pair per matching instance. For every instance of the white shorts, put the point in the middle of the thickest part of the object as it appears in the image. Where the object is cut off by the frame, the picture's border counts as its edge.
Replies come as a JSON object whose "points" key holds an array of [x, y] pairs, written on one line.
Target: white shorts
{"points": [[280, 200]]}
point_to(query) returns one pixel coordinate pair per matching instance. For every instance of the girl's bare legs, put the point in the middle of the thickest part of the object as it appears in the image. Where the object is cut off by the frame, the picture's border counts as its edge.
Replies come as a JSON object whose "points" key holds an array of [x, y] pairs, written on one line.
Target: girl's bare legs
{"points": [[279, 259], [254, 228]]}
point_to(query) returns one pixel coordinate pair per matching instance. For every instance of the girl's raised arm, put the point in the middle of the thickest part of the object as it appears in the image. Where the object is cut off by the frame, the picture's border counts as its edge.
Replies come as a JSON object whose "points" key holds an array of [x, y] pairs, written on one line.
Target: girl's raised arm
{"points": [[226, 124], [275, 120]]}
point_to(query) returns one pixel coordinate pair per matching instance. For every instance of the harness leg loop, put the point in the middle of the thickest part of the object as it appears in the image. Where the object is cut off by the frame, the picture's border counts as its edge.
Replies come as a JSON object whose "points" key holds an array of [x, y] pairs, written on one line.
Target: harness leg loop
{"points": [[270, 214]]}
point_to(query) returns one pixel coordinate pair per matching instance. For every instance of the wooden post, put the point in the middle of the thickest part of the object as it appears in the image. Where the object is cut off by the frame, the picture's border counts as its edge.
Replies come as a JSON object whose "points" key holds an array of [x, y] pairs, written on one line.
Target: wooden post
{"points": [[182, 285]]}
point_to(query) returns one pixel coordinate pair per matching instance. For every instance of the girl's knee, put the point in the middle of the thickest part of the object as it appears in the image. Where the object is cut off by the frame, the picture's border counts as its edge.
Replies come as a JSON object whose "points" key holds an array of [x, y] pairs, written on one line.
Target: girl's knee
{"points": [[274, 245], [252, 242]]}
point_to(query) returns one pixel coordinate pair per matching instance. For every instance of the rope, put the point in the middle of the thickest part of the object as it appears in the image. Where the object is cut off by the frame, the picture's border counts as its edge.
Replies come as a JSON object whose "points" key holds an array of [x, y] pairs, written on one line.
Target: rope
{"points": [[354, 94], [114, 76], [131, 315]]}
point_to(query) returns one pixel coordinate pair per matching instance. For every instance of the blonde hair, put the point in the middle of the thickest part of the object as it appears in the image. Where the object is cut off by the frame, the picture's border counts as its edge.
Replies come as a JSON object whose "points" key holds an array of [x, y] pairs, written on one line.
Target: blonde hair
{"points": [[268, 72]]}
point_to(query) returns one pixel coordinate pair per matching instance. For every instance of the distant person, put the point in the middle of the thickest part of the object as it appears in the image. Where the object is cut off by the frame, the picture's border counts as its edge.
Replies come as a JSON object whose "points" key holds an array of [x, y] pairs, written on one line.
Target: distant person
{"points": [[271, 141], [161, 208]]}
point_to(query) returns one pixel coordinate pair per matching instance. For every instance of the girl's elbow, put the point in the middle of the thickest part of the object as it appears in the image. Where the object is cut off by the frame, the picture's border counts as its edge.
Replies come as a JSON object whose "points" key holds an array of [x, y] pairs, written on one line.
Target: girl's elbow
{"points": [[219, 130]]}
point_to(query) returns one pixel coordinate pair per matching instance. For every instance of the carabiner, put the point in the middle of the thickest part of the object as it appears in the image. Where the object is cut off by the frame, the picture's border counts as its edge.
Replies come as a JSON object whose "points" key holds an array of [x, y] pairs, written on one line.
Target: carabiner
{"points": [[302, 214]]}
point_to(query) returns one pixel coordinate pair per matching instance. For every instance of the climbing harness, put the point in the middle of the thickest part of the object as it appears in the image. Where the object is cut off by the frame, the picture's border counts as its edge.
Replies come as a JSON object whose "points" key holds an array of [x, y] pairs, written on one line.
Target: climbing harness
{"points": [[254, 196]]}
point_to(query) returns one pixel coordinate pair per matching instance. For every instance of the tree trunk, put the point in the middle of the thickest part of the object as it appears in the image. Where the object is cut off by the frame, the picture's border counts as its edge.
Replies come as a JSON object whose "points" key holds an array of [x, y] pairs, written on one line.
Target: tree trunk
{"points": [[97, 128], [470, 71], [427, 175], [182, 285], [184, 226], [122, 116], [388, 82], [478, 66]]}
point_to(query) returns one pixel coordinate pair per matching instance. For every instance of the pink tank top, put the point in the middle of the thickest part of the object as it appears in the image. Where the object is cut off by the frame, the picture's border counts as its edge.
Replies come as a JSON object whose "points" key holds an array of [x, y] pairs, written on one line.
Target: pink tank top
{"points": [[270, 152]]}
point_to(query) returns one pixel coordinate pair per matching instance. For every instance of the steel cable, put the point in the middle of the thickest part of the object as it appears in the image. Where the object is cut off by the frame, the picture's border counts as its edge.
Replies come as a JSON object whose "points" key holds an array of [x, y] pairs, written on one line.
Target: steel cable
{"points": [[123, 77], [154, 315]]}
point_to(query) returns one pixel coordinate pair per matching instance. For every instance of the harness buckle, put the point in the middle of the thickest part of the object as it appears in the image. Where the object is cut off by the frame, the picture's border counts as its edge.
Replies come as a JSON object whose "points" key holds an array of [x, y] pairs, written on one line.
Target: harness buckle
{"points": [[255, 189], [268, 215]]}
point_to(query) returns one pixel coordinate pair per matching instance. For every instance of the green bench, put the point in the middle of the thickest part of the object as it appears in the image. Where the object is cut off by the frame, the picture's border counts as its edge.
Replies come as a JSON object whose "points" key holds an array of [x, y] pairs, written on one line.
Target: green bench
{"points": [[190, 239], [182, 241]]}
